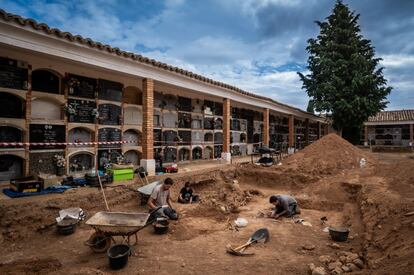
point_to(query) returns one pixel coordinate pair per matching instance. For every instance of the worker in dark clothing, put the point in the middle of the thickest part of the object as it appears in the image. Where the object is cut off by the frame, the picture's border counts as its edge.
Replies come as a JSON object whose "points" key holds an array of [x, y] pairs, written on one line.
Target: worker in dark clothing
{"points": [[186, 194], [284, 206]]}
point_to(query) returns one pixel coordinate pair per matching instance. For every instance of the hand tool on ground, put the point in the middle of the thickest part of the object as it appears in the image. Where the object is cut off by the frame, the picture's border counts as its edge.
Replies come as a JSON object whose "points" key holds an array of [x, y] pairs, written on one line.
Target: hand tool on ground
{"points": [[260, 234]]}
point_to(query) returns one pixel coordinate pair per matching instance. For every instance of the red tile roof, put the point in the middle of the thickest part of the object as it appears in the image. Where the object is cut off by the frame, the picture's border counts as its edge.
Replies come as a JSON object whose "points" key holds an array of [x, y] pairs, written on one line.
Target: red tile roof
{"points": [[397, 115], [42, 27]]}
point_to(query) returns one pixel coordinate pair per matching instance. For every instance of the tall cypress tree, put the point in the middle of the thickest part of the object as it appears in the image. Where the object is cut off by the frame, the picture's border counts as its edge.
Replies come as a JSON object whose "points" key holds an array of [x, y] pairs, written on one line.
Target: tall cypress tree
{"points": [[344, 77]]}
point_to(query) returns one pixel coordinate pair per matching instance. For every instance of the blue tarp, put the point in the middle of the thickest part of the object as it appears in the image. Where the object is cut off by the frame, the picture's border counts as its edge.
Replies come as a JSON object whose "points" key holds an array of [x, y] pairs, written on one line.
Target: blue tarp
{"points": [[52, 189]]}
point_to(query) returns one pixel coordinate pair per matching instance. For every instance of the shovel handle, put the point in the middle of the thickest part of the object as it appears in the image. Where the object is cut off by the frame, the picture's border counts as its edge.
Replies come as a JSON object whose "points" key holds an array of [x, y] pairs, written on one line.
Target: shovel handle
{"points": [[244, 245]]}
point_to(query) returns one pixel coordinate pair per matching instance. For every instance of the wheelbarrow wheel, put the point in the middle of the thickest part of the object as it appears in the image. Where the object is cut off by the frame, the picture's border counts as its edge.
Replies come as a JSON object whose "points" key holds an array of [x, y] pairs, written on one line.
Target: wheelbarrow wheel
{"points": [[99, 242]]}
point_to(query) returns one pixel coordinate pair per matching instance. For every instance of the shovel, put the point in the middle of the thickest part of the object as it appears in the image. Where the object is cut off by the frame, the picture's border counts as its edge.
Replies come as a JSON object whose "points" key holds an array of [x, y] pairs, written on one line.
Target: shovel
{"points": [[260, 234]]}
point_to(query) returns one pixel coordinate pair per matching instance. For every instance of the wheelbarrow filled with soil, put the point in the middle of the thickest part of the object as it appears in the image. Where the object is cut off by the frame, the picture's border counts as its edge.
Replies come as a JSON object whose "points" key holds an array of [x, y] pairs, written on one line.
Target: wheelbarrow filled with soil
{"points": [[107, 225]]}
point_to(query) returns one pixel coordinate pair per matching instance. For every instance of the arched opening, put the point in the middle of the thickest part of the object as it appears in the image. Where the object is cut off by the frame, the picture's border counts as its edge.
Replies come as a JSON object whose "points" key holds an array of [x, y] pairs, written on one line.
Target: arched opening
{"points": [[132, 137], [81, 162], [218, 124], [170, 154], [132, 116], [46, 81], [133, 157], [11, 106], [80, 134], [184, 154], [208, 153], [217, 151], [11, 167], [208, 137], [243, 138], [132, 95], [170, 137], [197, 153], [10, 134], [218, 138], [46, 108]]}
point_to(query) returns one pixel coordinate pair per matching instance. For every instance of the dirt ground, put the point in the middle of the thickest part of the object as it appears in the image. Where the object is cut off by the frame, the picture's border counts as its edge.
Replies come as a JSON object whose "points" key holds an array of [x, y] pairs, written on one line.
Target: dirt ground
{"points": [[325, 178]]}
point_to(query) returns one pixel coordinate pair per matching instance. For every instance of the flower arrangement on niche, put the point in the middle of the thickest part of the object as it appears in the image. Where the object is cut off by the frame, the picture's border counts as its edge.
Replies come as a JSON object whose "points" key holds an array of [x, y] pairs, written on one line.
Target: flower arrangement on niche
{"points": [[59, 160], [95, 113], [69, 109]]}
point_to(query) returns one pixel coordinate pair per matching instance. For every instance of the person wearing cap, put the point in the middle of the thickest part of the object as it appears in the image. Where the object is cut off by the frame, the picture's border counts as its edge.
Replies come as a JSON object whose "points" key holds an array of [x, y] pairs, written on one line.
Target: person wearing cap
{"points": [[285, 205]]}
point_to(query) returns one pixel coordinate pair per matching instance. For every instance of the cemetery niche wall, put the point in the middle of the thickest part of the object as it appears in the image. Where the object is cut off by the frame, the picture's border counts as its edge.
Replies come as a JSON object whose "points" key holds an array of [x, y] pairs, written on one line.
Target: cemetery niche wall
{"points": [[81, 111], [110, 114], [13, 74], [11, 106], [81, 162], [11, 134], [46, 81], [47, 133], [108, 135]]}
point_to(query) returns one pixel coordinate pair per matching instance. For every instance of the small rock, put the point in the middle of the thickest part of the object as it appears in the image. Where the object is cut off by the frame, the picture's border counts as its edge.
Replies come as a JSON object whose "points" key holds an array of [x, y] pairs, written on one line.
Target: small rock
{"points": [[319, 271], [336, 271], [359, 263], [183, 265], [235, 181], [311, 267], [350, 257], [334, 265], [395, 229], [325, 259], [308, 246], [342, 259], [379, 226], [351, 238], [345, 268], [352, 267], [334, 245]]}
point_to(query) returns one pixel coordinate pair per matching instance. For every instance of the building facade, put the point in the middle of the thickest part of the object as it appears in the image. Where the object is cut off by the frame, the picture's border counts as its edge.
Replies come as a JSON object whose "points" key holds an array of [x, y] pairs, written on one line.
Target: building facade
{"points": [[65, 95], [390, 129]]}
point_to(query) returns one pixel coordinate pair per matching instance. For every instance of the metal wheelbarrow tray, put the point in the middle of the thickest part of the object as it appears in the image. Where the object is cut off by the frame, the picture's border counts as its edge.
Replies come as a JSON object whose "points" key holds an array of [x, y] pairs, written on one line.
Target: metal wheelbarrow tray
{"points": [[109, 224]]}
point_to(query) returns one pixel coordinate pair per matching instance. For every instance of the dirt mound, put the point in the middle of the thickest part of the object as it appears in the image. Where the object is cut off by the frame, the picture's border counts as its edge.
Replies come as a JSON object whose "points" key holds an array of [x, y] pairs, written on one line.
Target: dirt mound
{"points": [[31, 266], [327, 156]]}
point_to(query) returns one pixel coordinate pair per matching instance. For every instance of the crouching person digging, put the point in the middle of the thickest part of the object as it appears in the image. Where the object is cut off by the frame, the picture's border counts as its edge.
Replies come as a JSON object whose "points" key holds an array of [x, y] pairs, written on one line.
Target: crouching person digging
{"points": [[160, 197], [284, 206]]}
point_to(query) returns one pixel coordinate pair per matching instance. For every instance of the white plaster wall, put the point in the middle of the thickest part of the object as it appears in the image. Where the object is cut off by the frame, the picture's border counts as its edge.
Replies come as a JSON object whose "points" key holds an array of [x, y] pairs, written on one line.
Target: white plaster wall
{"points": [[45, 108], [132, 116]]}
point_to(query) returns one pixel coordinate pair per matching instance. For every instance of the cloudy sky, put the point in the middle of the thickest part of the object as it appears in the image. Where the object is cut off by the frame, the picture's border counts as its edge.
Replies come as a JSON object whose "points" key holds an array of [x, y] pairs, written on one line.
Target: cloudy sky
{"points": [[257, 45]]}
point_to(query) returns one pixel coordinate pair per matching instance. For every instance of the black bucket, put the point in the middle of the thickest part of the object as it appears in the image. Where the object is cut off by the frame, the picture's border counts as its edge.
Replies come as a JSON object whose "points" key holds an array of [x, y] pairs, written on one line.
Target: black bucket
{"points": [[66, 227], [161, 226], [339, 234], [118, 255]]}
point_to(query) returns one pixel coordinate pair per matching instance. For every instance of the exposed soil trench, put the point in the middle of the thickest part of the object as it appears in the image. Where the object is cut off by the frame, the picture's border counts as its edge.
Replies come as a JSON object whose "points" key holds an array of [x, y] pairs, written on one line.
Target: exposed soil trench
{"points": [[381, 235]]}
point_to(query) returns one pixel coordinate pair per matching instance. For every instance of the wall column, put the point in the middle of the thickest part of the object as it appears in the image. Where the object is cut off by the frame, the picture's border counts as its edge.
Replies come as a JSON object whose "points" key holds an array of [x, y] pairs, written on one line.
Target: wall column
{"points": [[307, 132], [412, 134], [147, 160], [226, 154], [365, 135], [291, 148], [266, 127]]}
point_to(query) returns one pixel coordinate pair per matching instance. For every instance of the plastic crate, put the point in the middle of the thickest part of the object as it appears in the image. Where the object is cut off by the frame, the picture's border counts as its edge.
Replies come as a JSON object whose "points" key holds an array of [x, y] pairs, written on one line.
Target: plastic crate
{"points": [[122, 174]]}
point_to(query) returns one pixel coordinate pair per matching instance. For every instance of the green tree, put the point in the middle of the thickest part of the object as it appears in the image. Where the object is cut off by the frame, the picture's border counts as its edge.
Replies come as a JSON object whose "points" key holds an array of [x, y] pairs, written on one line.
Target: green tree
{"points": [[344, 78], [311, 107]]}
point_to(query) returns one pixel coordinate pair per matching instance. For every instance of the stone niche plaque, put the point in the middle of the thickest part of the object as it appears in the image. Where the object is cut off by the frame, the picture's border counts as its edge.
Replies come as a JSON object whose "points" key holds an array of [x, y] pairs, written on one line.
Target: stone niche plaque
{"points": [[46, 133], [110, 90], [84, 111], [81, 86], [110, 114], [109, 134], [43, 162], [13, 74]]}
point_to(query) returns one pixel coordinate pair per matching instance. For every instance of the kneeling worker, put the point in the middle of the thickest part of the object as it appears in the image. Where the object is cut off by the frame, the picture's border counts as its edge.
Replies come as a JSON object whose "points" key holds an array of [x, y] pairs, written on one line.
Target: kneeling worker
{"points": [[186, 194], [284, 206], [160, 197]]}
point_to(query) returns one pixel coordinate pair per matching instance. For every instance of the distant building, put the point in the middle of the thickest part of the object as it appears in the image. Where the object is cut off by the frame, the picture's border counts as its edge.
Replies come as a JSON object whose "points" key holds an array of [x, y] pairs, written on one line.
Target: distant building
{"points": [[390, 128]]}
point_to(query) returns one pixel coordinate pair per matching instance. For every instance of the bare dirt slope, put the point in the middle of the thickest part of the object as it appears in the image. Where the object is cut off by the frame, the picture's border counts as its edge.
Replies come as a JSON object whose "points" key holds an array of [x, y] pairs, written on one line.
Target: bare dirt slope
{"points": [[371, 201]]}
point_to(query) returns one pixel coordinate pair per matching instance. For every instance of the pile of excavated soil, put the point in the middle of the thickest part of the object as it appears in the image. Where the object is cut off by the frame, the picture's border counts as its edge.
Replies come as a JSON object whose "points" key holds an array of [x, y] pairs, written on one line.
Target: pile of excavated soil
{"points": [[327, 156]]}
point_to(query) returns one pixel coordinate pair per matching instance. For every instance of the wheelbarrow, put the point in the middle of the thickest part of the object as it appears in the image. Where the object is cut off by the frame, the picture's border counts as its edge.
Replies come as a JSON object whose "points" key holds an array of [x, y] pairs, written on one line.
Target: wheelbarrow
{"points": [[108, 225]]}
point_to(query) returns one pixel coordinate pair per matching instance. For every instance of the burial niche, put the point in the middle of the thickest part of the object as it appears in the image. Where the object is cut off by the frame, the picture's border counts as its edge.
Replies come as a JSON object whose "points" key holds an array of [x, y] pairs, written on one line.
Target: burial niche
{"points": [[170, 154], [11, 106], [110, 114], [11, 167], [184, 154], [10, 134], [81, 162], [45, 81], [132, 95], [46, 109], [132, 137], [197, 153], [78, 134], [208, 153], [133, 157]]}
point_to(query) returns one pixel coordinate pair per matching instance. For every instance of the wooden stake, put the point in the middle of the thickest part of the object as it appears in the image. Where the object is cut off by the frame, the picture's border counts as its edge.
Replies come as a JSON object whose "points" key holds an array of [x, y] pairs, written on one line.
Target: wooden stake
{"points": [[103, 192]]}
